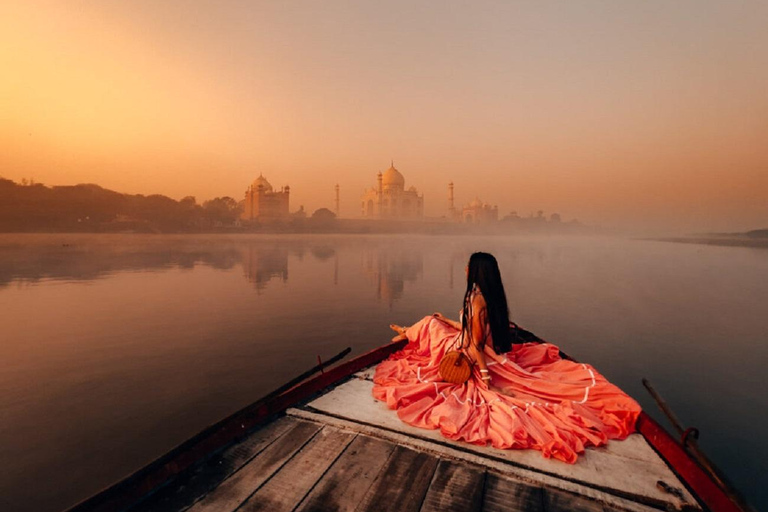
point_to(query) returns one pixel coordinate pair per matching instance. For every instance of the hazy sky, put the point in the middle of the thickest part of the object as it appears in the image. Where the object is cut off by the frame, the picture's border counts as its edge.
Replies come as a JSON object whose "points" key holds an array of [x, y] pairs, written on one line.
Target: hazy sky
{"points": [[641, 114]]}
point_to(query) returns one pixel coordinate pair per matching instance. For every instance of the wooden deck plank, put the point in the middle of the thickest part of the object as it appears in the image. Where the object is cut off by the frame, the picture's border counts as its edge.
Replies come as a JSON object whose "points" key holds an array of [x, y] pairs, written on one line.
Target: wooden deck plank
{"points": [[352, 400], [237, 488], [506, 495], [560, 501], [343, 487], [456, 487], [405, 469], [288, 487], [203, 477]]}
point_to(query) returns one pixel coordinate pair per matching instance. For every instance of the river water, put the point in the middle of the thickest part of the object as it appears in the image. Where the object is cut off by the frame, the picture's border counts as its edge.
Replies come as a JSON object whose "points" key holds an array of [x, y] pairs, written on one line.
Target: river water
{"points": [[115, 348]]}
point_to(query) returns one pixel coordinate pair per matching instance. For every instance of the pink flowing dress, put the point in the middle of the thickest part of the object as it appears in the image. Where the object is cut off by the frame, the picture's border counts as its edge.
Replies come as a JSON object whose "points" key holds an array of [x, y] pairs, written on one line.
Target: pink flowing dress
{"points": [[557, 406]]}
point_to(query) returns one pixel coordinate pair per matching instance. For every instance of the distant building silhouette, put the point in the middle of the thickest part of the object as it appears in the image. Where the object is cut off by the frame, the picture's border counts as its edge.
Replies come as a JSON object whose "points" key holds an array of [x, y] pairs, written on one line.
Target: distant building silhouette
{"points": [[478, 212], [324, 214], [452, 213], [390, 199], [475, 212], [336, 188], [263, 203]]}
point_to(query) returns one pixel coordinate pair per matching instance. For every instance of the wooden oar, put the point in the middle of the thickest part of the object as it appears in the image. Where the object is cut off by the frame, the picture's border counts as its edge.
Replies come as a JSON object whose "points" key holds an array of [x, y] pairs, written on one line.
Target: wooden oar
{"points": [[304, 376], [688, 439]]}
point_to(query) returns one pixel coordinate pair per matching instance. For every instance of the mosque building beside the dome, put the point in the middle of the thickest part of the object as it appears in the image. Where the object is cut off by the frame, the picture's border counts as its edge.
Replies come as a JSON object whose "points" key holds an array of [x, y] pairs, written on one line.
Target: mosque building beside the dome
{"points": [[478, 212], [390, 199], [263, 203], [474, 212]]}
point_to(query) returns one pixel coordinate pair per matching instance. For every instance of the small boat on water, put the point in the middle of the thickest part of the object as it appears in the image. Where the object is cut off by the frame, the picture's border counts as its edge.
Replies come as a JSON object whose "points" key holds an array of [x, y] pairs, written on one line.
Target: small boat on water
{"points": [[321, 442]]}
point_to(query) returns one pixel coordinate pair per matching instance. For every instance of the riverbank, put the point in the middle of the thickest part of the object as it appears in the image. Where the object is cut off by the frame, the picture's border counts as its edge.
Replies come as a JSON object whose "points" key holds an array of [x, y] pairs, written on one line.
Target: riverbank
{"points": [[304, 226], [756, 238]]}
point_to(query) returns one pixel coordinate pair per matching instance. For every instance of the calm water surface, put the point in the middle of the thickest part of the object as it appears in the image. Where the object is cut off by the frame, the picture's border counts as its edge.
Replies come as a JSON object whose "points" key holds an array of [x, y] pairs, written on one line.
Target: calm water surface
{"points": [[115, 348]]}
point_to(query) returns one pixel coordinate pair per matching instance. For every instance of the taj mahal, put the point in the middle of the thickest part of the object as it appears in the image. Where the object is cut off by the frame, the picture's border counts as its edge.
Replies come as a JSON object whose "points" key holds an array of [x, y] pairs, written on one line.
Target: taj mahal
{"points": [[390, 200]]}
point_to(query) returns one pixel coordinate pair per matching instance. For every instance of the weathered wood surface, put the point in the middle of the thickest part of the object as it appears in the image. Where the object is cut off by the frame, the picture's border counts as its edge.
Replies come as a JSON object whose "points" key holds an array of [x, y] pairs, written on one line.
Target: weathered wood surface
{"points": [[455, 488], [627, 468], [402, 482], [306, 466], [239, 487], [505, 495], [559, 501], [508, 471], [205, 476], [348, 480], [285, 490]]}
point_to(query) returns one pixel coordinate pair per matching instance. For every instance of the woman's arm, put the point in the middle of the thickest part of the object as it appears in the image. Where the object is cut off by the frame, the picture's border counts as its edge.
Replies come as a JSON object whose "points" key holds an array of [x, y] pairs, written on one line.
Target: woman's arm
{"points": [[476, 349], [452, 323]]}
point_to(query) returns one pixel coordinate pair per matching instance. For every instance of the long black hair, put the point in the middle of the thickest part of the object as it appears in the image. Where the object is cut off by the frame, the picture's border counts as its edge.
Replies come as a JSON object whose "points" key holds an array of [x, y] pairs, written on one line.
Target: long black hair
{"points": [[484, 273]]}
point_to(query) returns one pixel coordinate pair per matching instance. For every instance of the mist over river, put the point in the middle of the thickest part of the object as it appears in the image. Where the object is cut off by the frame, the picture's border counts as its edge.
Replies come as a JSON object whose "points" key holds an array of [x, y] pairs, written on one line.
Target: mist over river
{"points": [[116, 348]]}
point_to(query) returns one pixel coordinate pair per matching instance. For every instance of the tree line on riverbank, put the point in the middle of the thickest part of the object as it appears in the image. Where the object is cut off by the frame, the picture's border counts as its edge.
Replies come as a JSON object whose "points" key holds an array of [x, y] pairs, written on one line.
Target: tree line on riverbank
{"points": [[88, 208], [33, 207]]}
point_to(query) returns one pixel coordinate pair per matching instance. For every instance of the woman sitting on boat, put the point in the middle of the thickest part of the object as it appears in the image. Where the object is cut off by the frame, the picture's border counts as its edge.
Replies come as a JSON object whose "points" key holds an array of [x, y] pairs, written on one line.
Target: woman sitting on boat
{"points": [[517, 396]]}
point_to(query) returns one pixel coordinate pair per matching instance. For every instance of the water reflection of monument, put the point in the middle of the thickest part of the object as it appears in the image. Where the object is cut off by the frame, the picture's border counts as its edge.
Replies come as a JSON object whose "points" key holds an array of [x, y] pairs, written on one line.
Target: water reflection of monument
{"points": [[391, 270], [263, 263]]}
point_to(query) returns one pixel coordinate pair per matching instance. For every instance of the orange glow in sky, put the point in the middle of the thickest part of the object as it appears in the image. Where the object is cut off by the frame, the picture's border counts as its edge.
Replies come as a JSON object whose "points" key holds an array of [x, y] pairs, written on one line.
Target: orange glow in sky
{"points": [[645, 115]]}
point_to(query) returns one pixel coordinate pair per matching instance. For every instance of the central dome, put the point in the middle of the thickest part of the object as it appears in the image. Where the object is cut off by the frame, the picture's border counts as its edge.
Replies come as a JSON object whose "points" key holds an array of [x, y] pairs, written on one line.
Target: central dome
{"points": [[392, 178], [262, 181]]}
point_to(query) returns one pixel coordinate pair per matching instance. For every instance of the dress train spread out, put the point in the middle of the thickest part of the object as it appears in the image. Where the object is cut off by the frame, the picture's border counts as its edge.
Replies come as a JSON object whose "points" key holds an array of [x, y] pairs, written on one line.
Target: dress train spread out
{"points": [[556, 406]]}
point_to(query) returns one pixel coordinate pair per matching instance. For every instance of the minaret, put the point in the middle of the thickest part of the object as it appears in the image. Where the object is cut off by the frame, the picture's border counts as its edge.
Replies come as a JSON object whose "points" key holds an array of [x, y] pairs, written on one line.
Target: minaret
{"points": [[451, 209], [379, 193], [337, 199]]}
